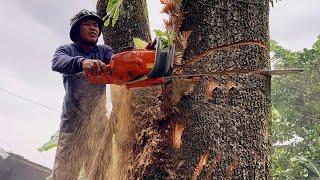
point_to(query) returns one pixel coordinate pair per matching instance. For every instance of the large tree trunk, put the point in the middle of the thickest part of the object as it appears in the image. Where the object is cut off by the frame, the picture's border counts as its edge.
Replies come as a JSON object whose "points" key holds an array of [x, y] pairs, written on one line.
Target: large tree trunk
{"points": [[128, 105], [221, 127], [209, 127], [218, 126]]}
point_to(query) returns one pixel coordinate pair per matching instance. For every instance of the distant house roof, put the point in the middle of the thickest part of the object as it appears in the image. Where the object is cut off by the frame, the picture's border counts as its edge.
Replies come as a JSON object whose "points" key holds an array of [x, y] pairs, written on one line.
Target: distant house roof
{"points": [[15, 167], [3, 153]]}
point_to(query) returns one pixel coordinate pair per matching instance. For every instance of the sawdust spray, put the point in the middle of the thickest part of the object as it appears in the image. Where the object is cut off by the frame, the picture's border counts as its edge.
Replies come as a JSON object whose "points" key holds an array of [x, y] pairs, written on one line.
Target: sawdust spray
{"points": [[108, 139]]}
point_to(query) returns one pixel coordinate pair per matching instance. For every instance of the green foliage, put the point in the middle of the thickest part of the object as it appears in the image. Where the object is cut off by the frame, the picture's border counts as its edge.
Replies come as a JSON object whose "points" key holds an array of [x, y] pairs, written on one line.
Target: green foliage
{"points": [[312, 166], [296, 113], [139, 43], [113, 12], [52, 143], [167, 37], [49, 177]]}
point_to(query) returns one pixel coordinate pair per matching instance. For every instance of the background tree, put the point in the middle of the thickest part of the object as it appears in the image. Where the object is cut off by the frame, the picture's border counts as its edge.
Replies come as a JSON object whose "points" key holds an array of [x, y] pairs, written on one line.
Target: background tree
{"points": [[296, 113], [133, 110]]}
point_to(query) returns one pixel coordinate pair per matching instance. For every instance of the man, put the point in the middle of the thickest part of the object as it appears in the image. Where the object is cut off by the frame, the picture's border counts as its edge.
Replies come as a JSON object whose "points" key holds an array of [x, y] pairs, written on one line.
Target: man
{"points": [[83, 116]]}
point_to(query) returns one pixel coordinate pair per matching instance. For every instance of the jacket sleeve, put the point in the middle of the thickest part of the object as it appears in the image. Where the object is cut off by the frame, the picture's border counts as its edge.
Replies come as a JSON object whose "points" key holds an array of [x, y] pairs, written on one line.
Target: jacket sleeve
{"points": [[64, 63], [108, 54]]}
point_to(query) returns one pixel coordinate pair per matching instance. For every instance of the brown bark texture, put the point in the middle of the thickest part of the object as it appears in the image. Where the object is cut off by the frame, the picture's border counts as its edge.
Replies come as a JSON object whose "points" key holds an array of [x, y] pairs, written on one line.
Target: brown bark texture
{"points": [[207, 127], [132, 23], [218, 126], [133, 110]]}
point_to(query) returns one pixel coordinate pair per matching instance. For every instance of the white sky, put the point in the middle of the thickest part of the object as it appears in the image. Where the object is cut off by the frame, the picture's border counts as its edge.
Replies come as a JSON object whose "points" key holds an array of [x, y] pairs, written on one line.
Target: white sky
{"points": [[32, 29]]}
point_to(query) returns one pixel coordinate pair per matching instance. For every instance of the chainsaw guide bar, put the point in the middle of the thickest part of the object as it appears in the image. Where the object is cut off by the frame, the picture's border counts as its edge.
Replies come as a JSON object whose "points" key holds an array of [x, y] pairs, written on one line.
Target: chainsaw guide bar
{"points": [[264, 72]]}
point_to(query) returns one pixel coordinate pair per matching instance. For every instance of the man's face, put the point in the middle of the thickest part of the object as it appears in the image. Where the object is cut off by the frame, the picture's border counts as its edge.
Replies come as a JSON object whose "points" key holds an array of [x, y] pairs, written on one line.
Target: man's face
{"points": [[89, 31]]}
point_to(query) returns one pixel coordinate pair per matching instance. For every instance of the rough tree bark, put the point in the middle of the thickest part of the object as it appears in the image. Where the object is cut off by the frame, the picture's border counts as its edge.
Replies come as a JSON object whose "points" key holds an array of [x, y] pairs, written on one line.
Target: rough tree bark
{"points": [[218, 126], [210, 127], [132, 23], [221, 125], [130, 121]]}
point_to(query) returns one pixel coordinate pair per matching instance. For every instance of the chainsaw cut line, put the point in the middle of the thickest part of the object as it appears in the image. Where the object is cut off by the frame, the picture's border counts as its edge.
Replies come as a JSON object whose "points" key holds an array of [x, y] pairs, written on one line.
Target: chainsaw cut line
{"points": [[211, 50], [252, 3], [202, 162], [216, 73], [177, 134], [233, 166], [213, 165]]}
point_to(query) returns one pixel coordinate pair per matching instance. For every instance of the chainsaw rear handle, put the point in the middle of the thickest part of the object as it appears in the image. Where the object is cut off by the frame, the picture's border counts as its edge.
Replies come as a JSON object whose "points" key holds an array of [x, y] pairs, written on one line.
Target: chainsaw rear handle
{"points": [[104, 78]]}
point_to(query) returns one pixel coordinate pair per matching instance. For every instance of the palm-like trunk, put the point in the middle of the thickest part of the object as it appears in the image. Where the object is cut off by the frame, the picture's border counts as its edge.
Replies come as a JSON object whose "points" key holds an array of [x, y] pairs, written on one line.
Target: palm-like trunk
{"points": [[218, 126], [221, 126], [209, 127]]}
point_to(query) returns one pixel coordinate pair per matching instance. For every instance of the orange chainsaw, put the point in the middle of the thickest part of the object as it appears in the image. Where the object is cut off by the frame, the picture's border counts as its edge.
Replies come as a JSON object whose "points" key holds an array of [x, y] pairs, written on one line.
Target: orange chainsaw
{"points": [[137, 67], [144, 68]]}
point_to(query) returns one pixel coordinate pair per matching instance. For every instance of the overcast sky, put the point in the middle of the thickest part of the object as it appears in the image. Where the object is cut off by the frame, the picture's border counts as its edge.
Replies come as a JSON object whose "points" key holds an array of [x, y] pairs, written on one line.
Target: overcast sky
{"points": [[32, 29]]}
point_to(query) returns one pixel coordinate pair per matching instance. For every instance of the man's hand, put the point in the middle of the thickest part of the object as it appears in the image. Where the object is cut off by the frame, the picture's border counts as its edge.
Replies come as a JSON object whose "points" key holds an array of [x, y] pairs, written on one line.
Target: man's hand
{"points": [[93, 66]]}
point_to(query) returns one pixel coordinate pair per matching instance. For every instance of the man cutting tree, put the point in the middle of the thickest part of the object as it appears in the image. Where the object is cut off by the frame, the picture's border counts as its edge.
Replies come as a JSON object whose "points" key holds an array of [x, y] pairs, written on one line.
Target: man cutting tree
{"points": [[83, 116]]}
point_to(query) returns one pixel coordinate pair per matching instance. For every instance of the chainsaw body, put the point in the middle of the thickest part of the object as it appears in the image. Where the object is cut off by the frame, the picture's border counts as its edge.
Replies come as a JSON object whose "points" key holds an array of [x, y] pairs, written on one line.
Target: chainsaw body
{"points": [[137, 68]]}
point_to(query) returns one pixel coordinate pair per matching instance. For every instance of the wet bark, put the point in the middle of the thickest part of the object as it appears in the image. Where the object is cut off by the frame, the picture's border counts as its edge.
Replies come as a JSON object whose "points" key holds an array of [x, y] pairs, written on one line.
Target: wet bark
{"points": [[217, 126]]}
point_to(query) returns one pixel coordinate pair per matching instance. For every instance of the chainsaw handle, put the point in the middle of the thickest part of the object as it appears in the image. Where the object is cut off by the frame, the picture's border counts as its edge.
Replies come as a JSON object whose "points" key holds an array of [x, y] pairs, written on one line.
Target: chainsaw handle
{"points": [[127, 48], [105, 70], [104, 78]]}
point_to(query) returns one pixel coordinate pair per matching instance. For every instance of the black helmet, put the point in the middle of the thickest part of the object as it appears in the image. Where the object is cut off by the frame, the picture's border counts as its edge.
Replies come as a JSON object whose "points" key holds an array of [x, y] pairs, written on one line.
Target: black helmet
{"points": [[83, 14]]}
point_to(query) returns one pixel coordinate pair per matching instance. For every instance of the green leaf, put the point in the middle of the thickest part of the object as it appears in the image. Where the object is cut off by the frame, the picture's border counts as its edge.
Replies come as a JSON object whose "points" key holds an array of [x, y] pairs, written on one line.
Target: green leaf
{"points": [[52, 143], [49, 177], [166, 37], [312, 166], [139, 43], [115, 17], [113, 12], [105, 17], [158, 32], [110, 5], [106, 22]]}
